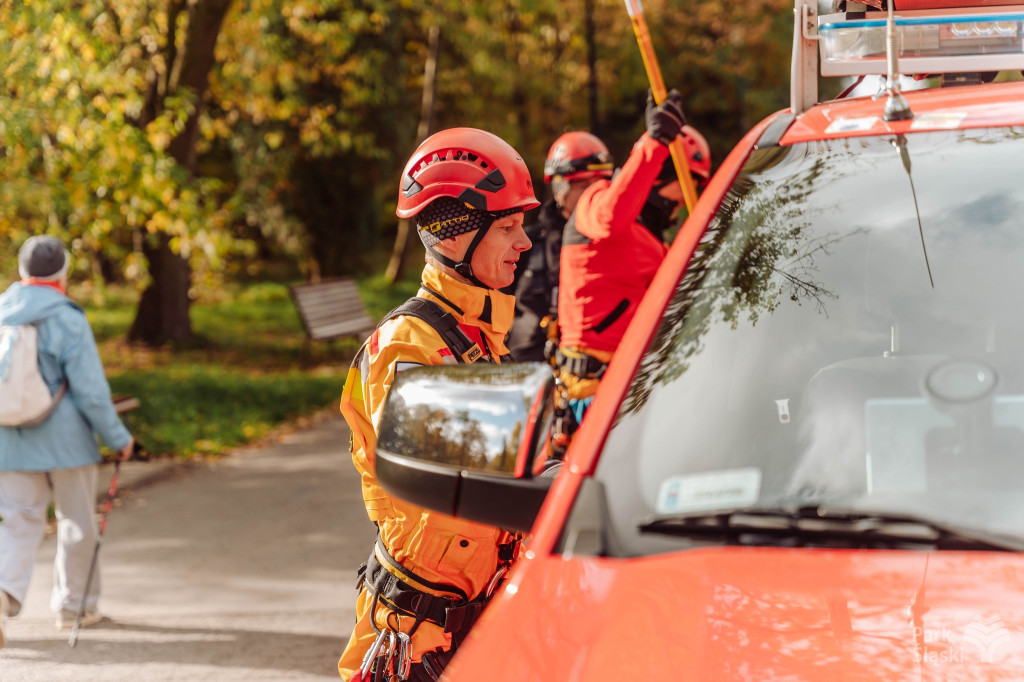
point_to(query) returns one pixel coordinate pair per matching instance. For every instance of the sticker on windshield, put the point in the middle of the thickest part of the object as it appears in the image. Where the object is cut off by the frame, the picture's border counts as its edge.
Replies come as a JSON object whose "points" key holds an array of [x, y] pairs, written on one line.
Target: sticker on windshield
{"points": [[852, 125], [709, 490], [945, 119]]}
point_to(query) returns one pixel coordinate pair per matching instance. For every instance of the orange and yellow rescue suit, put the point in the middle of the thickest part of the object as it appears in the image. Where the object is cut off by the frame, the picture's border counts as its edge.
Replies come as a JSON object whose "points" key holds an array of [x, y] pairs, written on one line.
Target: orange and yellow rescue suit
{"points": [[434, 547]]}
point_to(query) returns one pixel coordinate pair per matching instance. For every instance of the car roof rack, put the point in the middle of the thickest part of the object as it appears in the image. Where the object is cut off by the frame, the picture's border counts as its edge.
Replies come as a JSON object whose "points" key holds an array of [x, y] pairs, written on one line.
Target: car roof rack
{"points": [[933, 37]]}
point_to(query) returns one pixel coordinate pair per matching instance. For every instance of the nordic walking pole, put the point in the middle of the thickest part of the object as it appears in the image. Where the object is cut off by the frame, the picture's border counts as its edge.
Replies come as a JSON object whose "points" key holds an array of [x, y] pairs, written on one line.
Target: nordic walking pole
{"points": [[122, 404], [111, 492], [643, 39]]}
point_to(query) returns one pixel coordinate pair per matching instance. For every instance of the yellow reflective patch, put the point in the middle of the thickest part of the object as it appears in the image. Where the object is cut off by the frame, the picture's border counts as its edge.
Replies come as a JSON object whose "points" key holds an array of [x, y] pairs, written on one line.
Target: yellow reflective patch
{"points": [[353, 386]]}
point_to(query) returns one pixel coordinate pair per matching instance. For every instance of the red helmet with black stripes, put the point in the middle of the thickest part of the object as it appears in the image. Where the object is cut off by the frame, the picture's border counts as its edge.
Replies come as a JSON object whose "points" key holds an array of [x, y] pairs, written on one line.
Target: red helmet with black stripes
{"points": [[462, 180], [578, 155], [472, 166]]}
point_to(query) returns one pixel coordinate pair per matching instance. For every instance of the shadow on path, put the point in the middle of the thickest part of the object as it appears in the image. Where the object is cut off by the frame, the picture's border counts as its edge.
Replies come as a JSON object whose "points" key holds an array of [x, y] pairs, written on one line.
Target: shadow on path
{"points": [[111, 644]]}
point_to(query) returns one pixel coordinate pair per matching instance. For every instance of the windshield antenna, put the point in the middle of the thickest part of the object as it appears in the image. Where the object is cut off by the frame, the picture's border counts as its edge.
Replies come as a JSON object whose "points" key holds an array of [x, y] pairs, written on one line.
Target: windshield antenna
{"points": [[901, 148], [896, 107]]}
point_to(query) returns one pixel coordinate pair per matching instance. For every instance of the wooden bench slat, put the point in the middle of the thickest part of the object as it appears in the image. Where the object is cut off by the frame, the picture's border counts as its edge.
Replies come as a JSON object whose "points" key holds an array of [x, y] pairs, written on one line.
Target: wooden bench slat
{"points": [[322, 296], [327, 320], [327, 283], [342, 304], [124, 403], [313, 309], [319, 297], [319, 289], [358, 323], [338, 319], [338, 285], [350, 328]]}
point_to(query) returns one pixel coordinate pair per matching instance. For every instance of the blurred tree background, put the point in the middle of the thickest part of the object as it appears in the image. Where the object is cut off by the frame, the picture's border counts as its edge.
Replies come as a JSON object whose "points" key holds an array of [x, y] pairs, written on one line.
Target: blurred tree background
{"points": [[180, 144]]}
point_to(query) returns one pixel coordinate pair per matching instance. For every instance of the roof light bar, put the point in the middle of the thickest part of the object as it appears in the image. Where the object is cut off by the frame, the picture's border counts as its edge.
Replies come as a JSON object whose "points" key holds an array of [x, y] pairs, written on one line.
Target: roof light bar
{"points": [[926, 44]]}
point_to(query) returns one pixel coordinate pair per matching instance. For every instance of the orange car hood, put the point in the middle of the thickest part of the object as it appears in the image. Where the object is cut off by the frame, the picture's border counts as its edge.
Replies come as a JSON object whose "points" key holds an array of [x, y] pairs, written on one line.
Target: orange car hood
{"points": [[754, 614]]}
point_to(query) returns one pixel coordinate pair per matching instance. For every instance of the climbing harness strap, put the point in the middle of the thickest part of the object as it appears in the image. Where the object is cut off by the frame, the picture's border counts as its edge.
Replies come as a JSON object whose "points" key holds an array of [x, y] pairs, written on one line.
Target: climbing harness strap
{"points": [[445, 324], [579, 364], [441, 321], [454, 614]]}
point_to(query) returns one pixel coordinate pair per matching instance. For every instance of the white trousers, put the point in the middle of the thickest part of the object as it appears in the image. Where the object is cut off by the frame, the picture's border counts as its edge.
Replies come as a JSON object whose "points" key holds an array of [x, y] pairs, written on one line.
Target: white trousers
{"points": [[24, 496]]}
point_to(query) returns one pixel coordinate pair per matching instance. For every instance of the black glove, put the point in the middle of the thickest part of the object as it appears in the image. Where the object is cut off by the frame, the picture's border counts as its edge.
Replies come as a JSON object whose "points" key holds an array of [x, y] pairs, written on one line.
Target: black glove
{"points": [[665, 120]]}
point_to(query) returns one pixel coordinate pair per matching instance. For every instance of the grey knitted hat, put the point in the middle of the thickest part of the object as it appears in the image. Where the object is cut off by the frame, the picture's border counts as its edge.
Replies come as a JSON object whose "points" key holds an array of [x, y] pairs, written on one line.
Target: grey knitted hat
{"points": [[43, 257]]}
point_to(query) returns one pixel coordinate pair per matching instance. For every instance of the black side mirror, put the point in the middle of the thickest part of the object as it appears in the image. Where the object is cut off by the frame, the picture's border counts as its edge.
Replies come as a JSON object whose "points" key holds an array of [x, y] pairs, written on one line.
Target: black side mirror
{"points": [[465, 440]]}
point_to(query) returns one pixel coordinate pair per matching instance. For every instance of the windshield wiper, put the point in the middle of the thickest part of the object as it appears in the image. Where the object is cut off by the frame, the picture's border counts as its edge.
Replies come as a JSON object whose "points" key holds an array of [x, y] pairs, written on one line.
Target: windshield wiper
{"points": [[814, 524]]}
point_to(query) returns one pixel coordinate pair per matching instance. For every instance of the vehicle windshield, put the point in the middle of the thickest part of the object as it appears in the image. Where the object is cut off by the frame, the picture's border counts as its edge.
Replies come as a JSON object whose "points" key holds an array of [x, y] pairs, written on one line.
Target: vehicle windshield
{"points": [[826, 348]]}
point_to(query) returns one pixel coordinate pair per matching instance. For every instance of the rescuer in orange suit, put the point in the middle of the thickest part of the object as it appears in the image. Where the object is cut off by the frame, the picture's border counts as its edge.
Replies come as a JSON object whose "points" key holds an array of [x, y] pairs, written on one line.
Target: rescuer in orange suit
{"points": [[428, 575], [613, 244]]}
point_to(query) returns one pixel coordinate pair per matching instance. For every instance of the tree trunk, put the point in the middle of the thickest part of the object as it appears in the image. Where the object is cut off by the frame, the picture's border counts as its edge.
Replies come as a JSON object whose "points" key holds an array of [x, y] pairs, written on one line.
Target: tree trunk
{"points": [[396, 266], [192, 72], [163, 312]]}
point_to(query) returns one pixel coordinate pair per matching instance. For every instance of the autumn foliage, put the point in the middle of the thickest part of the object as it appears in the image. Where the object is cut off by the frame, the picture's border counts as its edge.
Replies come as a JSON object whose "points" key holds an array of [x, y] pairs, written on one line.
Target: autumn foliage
{"points": [[213, 136]]}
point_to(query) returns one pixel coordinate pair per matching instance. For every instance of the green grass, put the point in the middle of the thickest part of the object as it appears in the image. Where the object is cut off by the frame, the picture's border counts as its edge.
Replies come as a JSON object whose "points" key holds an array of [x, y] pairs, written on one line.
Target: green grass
{"points": [[188, 409], [249, 371]]}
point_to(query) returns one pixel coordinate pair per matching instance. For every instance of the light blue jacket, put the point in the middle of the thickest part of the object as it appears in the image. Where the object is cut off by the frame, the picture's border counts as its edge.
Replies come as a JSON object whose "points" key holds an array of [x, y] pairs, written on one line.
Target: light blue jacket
{"points": [[67, 350]]}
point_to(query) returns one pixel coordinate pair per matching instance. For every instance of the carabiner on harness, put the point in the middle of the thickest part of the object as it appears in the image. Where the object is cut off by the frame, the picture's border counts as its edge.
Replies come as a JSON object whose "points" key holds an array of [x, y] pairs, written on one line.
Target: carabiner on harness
{"points": [[388, 658], [565, 424], [496, 581], [379, 649], [403, 664]]}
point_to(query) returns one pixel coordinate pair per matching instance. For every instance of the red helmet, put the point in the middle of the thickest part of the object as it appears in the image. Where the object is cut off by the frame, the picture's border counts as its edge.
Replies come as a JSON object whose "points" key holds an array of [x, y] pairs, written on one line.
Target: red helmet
{"points": [[698, 157], [473, 166], [698, 153], [576, 156]]}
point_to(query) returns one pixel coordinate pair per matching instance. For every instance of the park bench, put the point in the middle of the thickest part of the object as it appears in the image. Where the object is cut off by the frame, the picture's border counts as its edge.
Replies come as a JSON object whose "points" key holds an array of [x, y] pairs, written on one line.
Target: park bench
{"points": [[331, 309], [124, 403]]}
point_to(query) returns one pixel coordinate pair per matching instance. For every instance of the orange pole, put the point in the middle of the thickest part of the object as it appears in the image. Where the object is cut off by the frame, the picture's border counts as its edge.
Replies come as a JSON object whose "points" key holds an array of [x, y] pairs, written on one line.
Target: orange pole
{"points": [[643, 39]]}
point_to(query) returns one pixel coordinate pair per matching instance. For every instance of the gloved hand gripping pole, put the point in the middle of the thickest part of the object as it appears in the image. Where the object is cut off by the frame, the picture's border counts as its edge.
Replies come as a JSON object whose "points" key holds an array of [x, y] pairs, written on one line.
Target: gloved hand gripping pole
{"points": [[643, 39]]}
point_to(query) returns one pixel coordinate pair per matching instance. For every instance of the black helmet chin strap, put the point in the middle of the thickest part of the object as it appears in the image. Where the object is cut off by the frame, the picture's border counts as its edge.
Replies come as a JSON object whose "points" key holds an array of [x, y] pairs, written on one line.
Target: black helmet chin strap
{"points": [[465, 267]]}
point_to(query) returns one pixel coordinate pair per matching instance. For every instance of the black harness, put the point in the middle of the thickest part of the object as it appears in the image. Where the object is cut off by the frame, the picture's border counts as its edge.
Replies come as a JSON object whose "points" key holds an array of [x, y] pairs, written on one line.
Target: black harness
{"points": [[580, 365], [445, 324], [454, 614]]}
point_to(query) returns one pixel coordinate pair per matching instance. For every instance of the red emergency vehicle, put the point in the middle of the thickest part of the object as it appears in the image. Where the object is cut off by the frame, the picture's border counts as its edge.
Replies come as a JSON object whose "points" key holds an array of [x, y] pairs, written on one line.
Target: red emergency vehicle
{"points": [[806, 460]]}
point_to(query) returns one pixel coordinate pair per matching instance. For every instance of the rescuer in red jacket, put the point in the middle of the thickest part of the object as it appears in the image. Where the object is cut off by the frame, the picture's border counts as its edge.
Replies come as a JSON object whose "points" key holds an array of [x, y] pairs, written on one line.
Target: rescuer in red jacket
{"points": [[612, 246], [576, 159]]}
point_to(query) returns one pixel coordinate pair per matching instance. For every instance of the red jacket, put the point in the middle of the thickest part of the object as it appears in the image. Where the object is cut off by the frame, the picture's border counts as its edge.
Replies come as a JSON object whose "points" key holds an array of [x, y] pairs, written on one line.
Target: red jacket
{"points": [[608, 259]]}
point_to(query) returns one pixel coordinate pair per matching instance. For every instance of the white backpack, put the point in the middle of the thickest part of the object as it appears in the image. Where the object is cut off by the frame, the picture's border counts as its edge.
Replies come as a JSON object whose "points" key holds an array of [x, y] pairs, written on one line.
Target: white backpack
{"points": [[25, 401]]}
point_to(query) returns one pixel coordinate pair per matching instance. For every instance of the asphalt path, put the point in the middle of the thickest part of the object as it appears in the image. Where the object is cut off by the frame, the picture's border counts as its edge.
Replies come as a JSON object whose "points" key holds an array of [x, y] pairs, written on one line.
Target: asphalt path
{"points": [[242, 569]]}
